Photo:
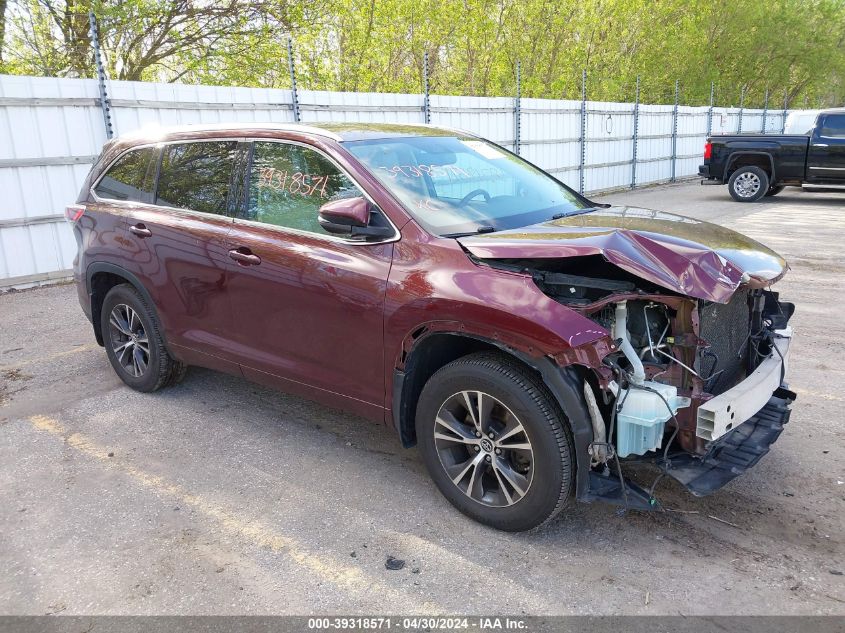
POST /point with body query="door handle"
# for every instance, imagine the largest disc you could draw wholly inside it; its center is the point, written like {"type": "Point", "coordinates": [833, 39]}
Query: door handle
{"type": "Point", "coordinates": [820, 145]}
{"type": "Point", "coordinates": [140, 230]}
{"type": "Point", "coordinates": [244, 257]}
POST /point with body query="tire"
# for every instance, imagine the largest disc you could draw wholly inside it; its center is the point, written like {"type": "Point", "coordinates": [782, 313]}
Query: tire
{"type": "Point", "coordinates": [127, 322]}
{"type": "Point", "coordinates": [773, 191]}
{"type": "Point", "coordinates": [511, 398]}
{"type": "Point", "coordinates": [748, 184]}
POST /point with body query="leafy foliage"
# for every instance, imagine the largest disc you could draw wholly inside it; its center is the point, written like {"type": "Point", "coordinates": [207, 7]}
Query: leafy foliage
{"type": "Point", "coordinates": [794, 48]}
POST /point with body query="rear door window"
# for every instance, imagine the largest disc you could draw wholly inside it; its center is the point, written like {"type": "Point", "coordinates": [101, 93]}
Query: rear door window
{"type": "Point", "coordinates": [130, 177]}
{"type": "Point", "coordinates": [289, 183]}
{"type": "Point", "coordinates": [197, 176]}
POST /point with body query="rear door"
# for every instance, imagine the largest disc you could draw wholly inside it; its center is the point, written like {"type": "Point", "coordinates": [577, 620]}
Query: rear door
{"type": "Point", "coordinates": [308, 306]}
{"type": "Point", "coordinates": [129, 182]}
{"type": "Point", "coordinates": [826, 155]}
{"type": "Point", "coordinates": [179, 240]}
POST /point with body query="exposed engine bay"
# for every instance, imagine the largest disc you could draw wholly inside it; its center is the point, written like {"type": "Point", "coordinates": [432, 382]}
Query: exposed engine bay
{"type": "Point", "coordinates": [674, 355]}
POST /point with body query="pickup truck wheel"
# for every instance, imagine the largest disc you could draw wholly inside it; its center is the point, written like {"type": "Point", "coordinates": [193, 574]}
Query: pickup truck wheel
{"type": "Point", "coordinates": [748, 184]}
{"type": "Point", "coordinates": [773, 191]}
{"type": "Point", "coordinates": [494, 442]}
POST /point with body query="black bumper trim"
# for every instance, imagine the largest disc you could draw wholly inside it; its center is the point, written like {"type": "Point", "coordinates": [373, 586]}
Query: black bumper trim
{"type": "Point", "coordinates": [734, 453]}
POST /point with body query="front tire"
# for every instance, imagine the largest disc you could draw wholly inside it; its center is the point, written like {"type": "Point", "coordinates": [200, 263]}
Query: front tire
{"type": "Point", "coordinates": [495, 443]}
{"type": "Point", "coordinates": [133, 342]}
{"type": "Point", "coordinates": [748, 184]}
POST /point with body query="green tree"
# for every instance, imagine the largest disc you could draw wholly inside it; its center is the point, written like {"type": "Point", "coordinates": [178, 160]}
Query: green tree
{"type": "Point", "coordinates": [791, 47]}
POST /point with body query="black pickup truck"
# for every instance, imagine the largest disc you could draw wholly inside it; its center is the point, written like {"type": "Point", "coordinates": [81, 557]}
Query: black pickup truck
{"type": "Point", "coordinates": [757, 165]}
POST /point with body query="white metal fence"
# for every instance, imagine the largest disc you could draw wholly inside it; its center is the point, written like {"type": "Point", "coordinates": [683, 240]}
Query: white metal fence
{"type": "Point", "coordinates": [52, 129]}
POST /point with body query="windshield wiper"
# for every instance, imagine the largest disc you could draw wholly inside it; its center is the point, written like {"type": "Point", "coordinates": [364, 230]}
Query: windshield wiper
{"type": "Point", "coordinates": [480, 229]}
{"type": "Point", "coordinates": [558, 216]}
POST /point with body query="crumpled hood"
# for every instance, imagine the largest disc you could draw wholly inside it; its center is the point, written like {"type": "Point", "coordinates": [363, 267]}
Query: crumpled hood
{"type": "Point", "coordinates": [688, 256]}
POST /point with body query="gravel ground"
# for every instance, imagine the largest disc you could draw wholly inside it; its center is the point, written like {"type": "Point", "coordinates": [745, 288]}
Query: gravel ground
{"type": "Point", "coordinates": [221, 497]}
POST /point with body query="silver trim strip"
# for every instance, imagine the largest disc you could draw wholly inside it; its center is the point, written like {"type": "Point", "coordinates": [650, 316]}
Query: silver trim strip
{"type": "Point", "coordinates": [39, 219]}
{"type": "Point", "coordinates": [829, 168]}
{"type": "Point", "coordinates": [47, 161]}
{"type": "Point", "coordinates": [23, 280]}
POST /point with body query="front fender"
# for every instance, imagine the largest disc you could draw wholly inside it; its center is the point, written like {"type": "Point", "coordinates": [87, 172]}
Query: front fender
{"type": "Point", "coordinates": [500, 306]}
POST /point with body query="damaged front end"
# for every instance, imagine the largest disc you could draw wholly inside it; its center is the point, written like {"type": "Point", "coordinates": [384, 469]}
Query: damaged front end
{"type": "Point", "coordinates": [687, 363]}
{"type": "Point", "coordinates": [694, 386]}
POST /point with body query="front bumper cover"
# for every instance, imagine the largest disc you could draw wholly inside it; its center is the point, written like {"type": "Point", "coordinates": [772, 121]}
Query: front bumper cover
{"type": "Point", "coordinates": [727, 458]}
{"type": "Point", "coordinates": [736, 452]}
{"type": "Point", "coordinates": [741, 424]}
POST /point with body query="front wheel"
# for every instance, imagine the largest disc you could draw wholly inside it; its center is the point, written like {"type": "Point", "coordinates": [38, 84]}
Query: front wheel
{"type": "Point", "coordinates": [495, 443]}
{"type": "Point", "coordinates": [748, 184]}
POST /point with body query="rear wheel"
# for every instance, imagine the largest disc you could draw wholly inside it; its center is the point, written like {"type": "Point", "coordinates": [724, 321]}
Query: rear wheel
{"type": "Point", "coordinates": [494, 442]}
{"type": "Point", "coordinates": [773, 191]}
{"type": "Point", "coordinates": [748, 184]}
{"type": "Point", "coordinates": [133, 343]}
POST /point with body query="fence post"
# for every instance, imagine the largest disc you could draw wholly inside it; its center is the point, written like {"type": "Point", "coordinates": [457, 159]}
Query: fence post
{"type": "Point", "coordinates": [636, 134]}
{"type": "Point", "coordinates": [426, 101]}
{"type": "Point", "coordinates": [517, 113]}
{"type": "Point", "coordinates": [675, 132]}
{"type": "Point", "coordinates": [783, 117]}
{"type": "Point", "coordinates": [741, 106]}
{"type": "Point", "coordinates": [765, 111]}
{"type": "Point", "coordinates": [583, 131]}
{"type": "Point", "coordinates": [710, 111]}
{"type": "Point", "coordinates": [293, 91]}
{"type": "Point", "coordinates": [105, 103]}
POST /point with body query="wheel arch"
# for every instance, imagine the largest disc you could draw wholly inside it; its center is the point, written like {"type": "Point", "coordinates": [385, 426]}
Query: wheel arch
{"type": "Point", "coordinates": [742, 158]}
{"type": "Point", "coordinates": [432, 350]}
{"type": "Point", "coordinates": [102, 277]}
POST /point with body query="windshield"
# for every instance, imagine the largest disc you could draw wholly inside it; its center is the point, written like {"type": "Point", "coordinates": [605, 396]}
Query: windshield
{"type": "Point", "coordinates": [455, 186]}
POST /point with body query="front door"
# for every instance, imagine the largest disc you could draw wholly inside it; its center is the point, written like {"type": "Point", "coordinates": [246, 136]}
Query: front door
{"type": "Point", "coordinates": [826, 155]}
{"type": "Point", "coordinates": [308, 306]}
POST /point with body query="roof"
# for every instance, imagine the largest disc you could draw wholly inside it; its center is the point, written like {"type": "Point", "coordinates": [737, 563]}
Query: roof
{"type": "Point", "coordinates": [337, 131]}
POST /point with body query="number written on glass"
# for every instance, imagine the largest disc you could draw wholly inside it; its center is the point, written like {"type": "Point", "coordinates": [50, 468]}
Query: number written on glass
{"type": "Point", "coordinates": [296, 183]}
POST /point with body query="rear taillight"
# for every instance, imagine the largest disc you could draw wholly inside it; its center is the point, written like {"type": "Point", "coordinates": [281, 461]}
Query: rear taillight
{"type": "Point", "coordinates": [708, 150]}
{"type": "Point", "coordinates": [73, 212]}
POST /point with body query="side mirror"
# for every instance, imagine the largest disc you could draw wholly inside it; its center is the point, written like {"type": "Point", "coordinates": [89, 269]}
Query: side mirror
{"type": "Point", "coordinates": [350, 217]}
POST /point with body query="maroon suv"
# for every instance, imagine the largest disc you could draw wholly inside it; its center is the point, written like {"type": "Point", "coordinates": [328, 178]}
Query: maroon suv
{"type": "Point", "coordinates": [533, 343]}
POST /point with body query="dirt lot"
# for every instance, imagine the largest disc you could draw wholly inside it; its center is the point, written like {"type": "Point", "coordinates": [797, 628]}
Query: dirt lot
{"type": "Point", "coordinates": [220, 497]}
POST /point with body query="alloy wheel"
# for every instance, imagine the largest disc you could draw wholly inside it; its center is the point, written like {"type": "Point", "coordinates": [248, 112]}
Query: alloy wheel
{"type": "Point", "coordinates": [484, 448]}
{"type": "Point", "coordinates": [747, 184]}
{"type": "Point", "coordinates": [129, 340]}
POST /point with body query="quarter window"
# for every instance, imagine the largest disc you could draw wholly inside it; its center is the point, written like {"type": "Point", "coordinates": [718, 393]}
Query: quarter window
{"type": "Point", "coordinates": [130, 178]}
{"type": "Point", "coordinates": [289, 183]}
{"type": "Point", "coordinates": [197, 176]}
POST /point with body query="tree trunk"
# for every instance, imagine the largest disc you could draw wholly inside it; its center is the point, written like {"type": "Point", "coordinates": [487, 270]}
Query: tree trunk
{"type": "Point", "coordinates": [2, 27]}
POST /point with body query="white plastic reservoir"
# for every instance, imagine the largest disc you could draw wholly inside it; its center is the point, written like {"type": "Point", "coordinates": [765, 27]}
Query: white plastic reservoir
{"type": "Point", "coordinates": [643, 416]}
